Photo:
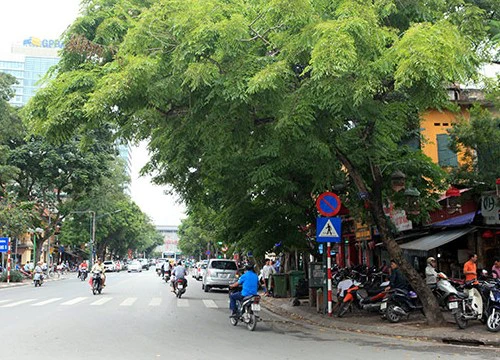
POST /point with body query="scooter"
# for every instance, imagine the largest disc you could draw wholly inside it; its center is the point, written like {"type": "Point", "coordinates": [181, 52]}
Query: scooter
{"type": "Point", "coordinates": [247, 312]}
{"type": "Point", "coordinates": [83, 274]}
{"type": "Point", "coordinates": [179, 288]}
{"type": "Point", "coordinates": [37, 279]}
{"type": "Point", "coordinates": [471, 305]}
{"type": "Point", "coordinates": [444, 291]}
{"type": "Point", "coordinates": [493, 321]}
{"type": "Point", "coordinates": [96, 283]}
{"type": "Point", "coordinates": [399, 303]}
{"type": "Point", "coordinates": [363, 298]}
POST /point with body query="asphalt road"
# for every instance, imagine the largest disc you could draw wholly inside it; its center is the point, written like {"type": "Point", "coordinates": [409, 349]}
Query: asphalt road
{"type": "Point", "coordinates": [137, 317]}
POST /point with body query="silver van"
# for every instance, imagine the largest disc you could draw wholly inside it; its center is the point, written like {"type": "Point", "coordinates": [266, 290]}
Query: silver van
{"type": "Point", "coordinates": [219, 274]}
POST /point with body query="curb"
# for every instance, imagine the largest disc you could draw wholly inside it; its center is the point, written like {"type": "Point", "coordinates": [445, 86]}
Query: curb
{"type": "Point", "coordinates": [303, 316]}
{"type": "Point", "coordinates": [26, 282]}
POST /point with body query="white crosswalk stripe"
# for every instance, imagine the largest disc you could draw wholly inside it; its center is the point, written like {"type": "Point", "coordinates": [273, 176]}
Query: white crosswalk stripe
{"type": "Point", "coordinates": [182, 303]}
{"type": "Point", "coordinates": [4, 301]}
{"type": "Point", "coordinates": [74, 301]}
{"type": "Point", "coordinates": [155, 301]}
{"type": "Point", "coordinates": [101, 301]}
{"type": "Point", "coordinates": [18, 303]}
{"type": "Point", "coordinates": [128, 302]}
{"type": "Point", "coordinates": [210, 304]}
{"type": "Point", "coordinates": [46, 302]}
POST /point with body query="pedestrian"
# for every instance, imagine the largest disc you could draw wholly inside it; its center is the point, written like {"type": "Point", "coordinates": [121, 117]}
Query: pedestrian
{"type": "Point", "coordinates": [267, 272]}
{"type": "Point", "coordinates": [470, 268]}
{"type": "Point", "coordinates": [385, 268]}
{"type": "Point", "coordinates": [495, 270]}
{"type": "Point", "coordinates": [27, 266]}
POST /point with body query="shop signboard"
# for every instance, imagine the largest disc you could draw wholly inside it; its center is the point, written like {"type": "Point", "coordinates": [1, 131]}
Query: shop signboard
{"type": "Point", "coordinates": [490, 208]}
{"type": "Point", "coordinates": [398, 217]}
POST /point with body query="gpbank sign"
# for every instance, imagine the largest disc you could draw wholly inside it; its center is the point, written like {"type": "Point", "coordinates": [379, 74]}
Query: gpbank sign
{"type": "Point", "coordinates": [43, 43]}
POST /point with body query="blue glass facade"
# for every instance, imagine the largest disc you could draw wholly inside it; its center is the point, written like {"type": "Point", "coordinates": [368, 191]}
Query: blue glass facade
{"type": "Point", "coordinates": [28, 73]}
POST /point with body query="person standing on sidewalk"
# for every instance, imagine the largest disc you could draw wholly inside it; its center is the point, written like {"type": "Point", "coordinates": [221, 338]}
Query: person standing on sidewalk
{"type": "Point", "coordinates": [470, 268]}
{"type": "Point", "coordinates": [267, 272]}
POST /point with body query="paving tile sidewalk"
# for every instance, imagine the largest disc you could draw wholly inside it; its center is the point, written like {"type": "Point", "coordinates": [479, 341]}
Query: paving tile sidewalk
{"type": "Point", "coordinates": [371, 323]}
{"type": "Point", "coordinates": [4, 285]}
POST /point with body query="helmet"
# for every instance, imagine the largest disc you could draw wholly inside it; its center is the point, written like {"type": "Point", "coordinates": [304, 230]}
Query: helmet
{"type": "Point", "coordinates": [249, 267]}
{"type": "Point", "coordinates": [430, 259]}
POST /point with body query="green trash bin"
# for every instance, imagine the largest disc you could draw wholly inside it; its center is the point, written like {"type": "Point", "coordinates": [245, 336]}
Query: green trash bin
{"type": "Point", "coordinates": [280, 285]}
{"type": "Point", "coordinates": [295, 277]}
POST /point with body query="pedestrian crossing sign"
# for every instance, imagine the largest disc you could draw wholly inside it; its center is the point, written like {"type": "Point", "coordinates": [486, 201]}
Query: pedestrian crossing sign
{"type": "Point", "coordinates": [328, 229]}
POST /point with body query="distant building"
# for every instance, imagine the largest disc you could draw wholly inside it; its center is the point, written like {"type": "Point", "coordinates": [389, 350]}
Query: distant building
{"type": "Point", "coordinates": [170, 239]}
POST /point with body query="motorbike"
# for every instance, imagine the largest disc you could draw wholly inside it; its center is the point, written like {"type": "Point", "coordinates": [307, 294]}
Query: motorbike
{"type": "Point", "coordinates": [493, 321]}
{"type": "Point", "coordinates": [364, 298]}
{"type": "Point", "coordinates": [247, 311]}
{"type": "Point", "coordinates": [158, 272]}
{"type": "Point", "coordinates": [166, 277]}
{"type": "Point", "coordinates": [444, 291]}
{"type": "Point", "coordinates": [399, 303]}
{"type": "Point", "coordinates": [83, 274]}
{"type": "Point", "coordinates": [96, 283]}
{"type": "Point", "coordinates": [473, 304]}
{"type": "Point", "coordinates": [37, 279]}
{"type": "Point", "coordinates": [179, 288]}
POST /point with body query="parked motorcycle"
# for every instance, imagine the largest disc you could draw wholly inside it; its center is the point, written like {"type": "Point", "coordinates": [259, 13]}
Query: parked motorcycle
{"type": "Point", "coordinates": [444, 291]}
{"type": "Point", "coordinates": [37, 279]}
{"type": "Point", "coordinates": [473, 304]}
{"type": "Point", "coordinates": [493, 321]}
{"type": "Point", "coordinates": [96, 283]}
{"type": "Point", "coordinates": [399, 303]}
{"type": "Point", "coordinates": [362, 297]}
{"type": "Point", "coordinates": [247, 312]}
{"type": "Point", "coordinates": [179, 288]}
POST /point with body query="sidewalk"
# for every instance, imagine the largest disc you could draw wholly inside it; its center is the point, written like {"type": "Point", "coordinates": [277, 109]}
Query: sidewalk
{"type": "Point", "coordinates": [371, 323]}
{"type": "Point", "coordinates": [4, 285]}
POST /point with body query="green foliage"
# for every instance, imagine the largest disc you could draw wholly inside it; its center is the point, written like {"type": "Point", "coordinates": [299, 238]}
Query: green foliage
{"type": "Point", "coordinates": [15, 276]}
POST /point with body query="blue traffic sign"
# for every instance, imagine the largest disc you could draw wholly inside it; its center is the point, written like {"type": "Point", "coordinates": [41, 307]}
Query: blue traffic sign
{"type": "Point", "coordinates": [4, 245]}
{"type": "Point", "coordinates": [328, 229]}
{"type": "Point", "coordinates": [328, 204]}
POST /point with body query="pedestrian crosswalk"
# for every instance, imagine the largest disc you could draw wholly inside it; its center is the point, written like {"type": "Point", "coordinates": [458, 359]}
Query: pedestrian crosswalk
{"type": "Point", "coordinates": [114, 301]}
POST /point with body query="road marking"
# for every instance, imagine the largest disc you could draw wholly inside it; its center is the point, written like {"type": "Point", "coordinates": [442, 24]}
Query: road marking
{"type": "Point", "coordinates": [182, 303]}
{"type": "Point", "coordinates": [102, 301]}
{"type": "Point", "coordinates": [128, 302]}
{"type": "Point", "coordinates": [210, 304]}
{"type": "Point", "coordinates": [19, 303]}
{"type": "Point", "coordinates": [74, 301]}
{"type": "Point", "coordinates": [4, 301]}
{"type": "Point", "coordinates": [155, 301]}
{"type": "Point", "coordinates": [46, 302]}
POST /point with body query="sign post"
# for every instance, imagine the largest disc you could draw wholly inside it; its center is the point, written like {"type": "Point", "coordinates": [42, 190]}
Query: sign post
{"type": "Point", "coordinates": [8, 261]}
{"type": "Point", "coordinates": [328, 229]}
{"type": "Point", "coordinates": [5, 248]}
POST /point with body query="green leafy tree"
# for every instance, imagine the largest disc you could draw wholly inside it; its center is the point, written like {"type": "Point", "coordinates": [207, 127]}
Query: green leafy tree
{"type": "Point", "coordinates": [254, 107]}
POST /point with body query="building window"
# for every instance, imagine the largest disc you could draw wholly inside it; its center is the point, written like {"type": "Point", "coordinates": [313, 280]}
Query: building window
{"type": "Point", "coordinates": [446, 156]}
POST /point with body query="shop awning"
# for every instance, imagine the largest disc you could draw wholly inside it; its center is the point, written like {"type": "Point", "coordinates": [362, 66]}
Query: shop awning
{"type": "Point", "coordinates": [461, 220]}
{"type": "Point", "coordinates": [429, 242]}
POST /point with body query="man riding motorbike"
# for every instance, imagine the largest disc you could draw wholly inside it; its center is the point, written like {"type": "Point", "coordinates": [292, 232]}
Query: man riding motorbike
{"type": "Point", "coordinates": [38, 270]}
{"type": "Point", "coordinates": [250, 284]}
{"type": "Point", "coordinates": [99, 267]}
{"type": "Point", "coordinates": [179, 272]}
{"type": "Point", "coordinates": [81, 267]}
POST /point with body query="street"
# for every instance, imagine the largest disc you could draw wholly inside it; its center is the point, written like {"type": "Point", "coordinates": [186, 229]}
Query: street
{"type": "Point", "coordinates": [137, 317]}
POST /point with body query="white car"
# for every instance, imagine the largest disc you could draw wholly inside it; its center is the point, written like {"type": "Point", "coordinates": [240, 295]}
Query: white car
{"type": "Point", "coordinates": [134, 266]}
{"type": "Point", "coordinates": [109, 266]}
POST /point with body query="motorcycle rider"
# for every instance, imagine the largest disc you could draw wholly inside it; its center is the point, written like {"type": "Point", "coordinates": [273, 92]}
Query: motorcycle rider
{"type": "Point", "coordinates": [179, 273]}
{"type": "Point", "coordinates": [250, 284]}
{"type": "Point", "coordinates": [397, 279]}
{"type": "Point", "coordinates": [81, 267]}
{"type": "Point", "coordinates": [38, 270]}
{"type": "Point", "coordinates": [99, 267]}
{"type": "Point", "coordinates": [431, 274]}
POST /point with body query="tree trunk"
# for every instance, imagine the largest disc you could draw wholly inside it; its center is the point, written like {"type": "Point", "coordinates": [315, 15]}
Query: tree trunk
{"type": "Point", "coordinates": [375, 204]}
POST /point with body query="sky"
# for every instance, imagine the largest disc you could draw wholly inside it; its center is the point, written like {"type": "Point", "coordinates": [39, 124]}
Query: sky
{"type": "Point", "coordinates": [48, 19]}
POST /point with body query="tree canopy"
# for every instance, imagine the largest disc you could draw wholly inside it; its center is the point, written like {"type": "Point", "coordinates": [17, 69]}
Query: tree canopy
{"type": "Point", "coordinates": [254, 107]}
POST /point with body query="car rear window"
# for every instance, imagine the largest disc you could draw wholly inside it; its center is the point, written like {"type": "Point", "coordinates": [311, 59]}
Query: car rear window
{"type": "Point", "coordinates": [223, 265]}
